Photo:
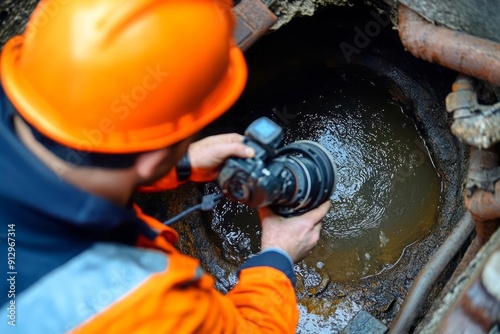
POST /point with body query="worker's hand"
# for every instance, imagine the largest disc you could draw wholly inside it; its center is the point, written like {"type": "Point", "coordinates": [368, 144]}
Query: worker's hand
{"type": "Point", "coordinates": [208, 155]}
{"type": "Point", "coordinates": [295, 235]}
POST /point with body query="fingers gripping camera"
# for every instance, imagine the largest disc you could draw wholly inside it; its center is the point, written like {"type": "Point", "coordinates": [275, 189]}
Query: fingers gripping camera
{"type": "Point", "coordinates": [290, 180]}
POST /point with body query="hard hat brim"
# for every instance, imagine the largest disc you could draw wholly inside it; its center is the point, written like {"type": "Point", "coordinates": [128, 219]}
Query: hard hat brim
{"type": "Point", "coordinates": [35, 108]}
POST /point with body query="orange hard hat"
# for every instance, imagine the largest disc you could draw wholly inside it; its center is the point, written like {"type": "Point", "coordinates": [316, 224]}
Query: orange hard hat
{"type": "Point", "coordinates": [117, 76]}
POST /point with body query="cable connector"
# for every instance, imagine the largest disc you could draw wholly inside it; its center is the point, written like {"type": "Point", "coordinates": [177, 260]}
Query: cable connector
{"type": "Point", "coordinates": [208, 202]}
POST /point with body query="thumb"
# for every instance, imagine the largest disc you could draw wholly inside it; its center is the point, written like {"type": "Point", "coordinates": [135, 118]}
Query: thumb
{"type": "Point", "coordinates": [318, 213]}
{"type": "Point", "coordinates": [315, 215]}
{"type": "Point", "coordinates": [239, 150]}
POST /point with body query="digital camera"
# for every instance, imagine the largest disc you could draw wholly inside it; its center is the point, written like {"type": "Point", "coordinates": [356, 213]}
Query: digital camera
{"type": "Point", "coordinates": [289, 179]}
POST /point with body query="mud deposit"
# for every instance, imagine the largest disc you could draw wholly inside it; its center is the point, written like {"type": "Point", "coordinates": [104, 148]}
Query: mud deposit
{"type": "Point", "coordinates": [382, 116]}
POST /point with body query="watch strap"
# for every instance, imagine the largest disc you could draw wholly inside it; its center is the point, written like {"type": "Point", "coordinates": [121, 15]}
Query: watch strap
{"type": "Point", "coordinates": [183, 168]}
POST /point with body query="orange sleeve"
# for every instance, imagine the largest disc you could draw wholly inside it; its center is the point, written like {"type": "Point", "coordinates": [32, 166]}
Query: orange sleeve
{"type": "Point", "coordinates": [167, 182]}
{"type": "Point", "coordinates": [266, 300]}
{"type": "Point", "coordinates": [183, 300]}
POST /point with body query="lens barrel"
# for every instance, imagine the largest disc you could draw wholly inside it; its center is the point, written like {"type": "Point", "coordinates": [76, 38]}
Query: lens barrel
{"type": "Point", "coordinates": [314, 177]}
{"type": "Point", "coordinates": [299, 178]}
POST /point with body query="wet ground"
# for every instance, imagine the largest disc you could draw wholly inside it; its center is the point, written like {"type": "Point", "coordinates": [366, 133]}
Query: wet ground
{"type": "Point", "coordinates": [371, 112]}
{"type": "Point", "coordinates": [387, 190]}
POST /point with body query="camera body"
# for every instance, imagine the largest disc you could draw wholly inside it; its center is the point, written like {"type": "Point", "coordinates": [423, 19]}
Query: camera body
{"type": "Point", "coordinates": [290, 180]}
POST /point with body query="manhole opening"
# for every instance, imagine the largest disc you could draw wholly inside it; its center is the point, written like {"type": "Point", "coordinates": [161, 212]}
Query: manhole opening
{"type": "Point", "coordinates": [391, 94]}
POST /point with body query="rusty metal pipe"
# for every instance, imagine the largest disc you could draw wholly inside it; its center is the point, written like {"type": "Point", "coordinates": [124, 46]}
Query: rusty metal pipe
{"type": "Point", "coordinates": [423, 284]}
{"type": "Point", "coordinates": [476, 308]}
{"type": "Point", "coordinates": [483, 204]}
{"type": "Point", "coordinates": [456, 50]}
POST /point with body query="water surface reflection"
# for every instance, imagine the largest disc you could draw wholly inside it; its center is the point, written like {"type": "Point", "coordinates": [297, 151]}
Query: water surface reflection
{"type": "Point", "coordinates": [387, 189]}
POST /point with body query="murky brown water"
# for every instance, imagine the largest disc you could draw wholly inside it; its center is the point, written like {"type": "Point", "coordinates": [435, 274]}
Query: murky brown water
{"type": "Point", "coordinates": [387, 189]}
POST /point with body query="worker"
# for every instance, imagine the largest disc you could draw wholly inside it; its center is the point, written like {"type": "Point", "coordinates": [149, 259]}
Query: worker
{"type": "Point", "coordinates": [98, 99]}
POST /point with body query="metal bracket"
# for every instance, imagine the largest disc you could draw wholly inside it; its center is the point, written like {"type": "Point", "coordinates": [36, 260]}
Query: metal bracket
{"type": "Point", "coordinates": [475, 124]}
{"type": "Point", "coordinates": [253, 20]}
{"type": "Point", "coordinates": [483, 179]}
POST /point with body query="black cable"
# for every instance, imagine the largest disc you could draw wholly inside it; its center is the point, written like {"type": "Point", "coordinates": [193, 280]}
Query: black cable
{"type": "Point", "coordinates": [208, 202]}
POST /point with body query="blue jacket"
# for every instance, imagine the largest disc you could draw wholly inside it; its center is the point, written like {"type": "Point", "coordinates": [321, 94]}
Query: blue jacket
{"type": "Point", "coordinates": [48, 225]}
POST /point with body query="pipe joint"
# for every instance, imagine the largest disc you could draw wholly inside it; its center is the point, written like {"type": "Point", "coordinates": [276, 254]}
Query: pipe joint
{"type": "Point", "coordinates": [474, 124]}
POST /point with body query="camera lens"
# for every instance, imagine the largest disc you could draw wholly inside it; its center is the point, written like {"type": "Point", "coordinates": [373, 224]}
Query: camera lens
{"type": "Point", "coordinates": [314, 177]}
{"type": "Point", "coordinates": [239, 190]}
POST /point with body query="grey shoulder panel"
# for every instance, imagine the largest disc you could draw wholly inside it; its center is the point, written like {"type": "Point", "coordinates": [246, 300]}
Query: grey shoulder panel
{"type": "Point", "coordinates": [82, 288]}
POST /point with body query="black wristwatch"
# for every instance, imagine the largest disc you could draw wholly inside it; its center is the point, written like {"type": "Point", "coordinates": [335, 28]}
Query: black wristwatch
{"type": "Point", "coordinates": [183, 168]}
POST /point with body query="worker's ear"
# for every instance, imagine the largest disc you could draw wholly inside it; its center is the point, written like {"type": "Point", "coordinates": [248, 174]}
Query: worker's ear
{"type": "Point", "coordinates": [152, 165]}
